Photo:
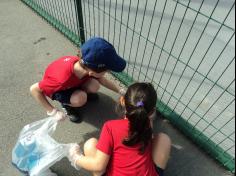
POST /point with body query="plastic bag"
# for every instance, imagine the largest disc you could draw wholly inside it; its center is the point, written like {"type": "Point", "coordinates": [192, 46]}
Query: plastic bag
{"type": "Point", "coordinates": [36, 151]}
{"type": "Point", "coordinates": [47, 173]}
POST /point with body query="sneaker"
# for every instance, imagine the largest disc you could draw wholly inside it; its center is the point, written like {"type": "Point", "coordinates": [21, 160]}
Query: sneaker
{"type": "Point", "coordinates": [72, 113]}
{"type": "Point", "coordinates": [92, 96]}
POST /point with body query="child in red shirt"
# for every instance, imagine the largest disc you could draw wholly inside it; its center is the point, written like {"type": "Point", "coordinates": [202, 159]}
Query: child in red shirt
{"type": "Point", "coordinates": [71, 79]}
{"type": "Point", "coordinates": [127, 147]}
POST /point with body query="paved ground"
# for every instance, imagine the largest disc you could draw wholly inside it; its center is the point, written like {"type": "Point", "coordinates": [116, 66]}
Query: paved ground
{"type": "Point", "coordinates": [28, 44]}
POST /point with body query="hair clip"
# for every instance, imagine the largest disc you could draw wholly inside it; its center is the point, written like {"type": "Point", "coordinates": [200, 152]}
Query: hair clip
{"type": "Point", "coordinates": [140, 104]}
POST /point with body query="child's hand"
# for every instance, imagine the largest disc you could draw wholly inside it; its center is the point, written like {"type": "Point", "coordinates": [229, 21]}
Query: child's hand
{"type": "Point", "coordinates": [59, 115]}
{"type": "Point", "coordinates": [74, 155]}
{"type": "Point", "coordinates": [75, 149]}
{"type": "Point", "coordinates": [122, 92]}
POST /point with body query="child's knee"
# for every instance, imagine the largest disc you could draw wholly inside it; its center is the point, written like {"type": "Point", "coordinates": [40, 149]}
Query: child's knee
{"type": "Point", "coordinates": [164, 139]}
{"type": "Point", "coordinates": [161, 150]}
{"type": "Point", "coordinates": [93, 86]}
{"type": "Point", "coordinates": [78, 99]}
{"type": "Point", "coordinates": [162, 144]}
{"type": "Point", "coordinates": [90, 146]}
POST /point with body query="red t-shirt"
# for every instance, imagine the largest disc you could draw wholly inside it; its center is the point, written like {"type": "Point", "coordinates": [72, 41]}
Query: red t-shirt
{"type": "Point", "coordinates": [124, 161]}
{"type": "Point", "coordinates": [59, 76]}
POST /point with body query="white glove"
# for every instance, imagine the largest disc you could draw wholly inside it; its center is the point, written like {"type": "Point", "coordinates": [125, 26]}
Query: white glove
{"type": "Point", "coordinates": [59, 115]}
{"type": "Point", "coordinates": [122, 91]}
{"type": "Point", "coordinates": [74, 155]}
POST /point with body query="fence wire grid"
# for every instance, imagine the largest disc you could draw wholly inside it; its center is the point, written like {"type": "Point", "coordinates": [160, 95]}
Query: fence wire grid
{"type": "Point", "coordinates": [186, 48]}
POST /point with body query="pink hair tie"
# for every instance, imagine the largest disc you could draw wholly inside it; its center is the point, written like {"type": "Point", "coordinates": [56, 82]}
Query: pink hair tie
{"type": "Point", "coordinates": [140, 104]}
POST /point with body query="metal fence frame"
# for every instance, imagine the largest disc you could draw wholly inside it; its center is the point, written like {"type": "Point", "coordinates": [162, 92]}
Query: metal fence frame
{"type": "Point", "coordinates": [79, 33]}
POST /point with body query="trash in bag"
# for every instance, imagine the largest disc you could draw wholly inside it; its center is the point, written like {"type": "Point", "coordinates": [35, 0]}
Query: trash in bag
{"type": "Point", "coordinates": [36, 151]}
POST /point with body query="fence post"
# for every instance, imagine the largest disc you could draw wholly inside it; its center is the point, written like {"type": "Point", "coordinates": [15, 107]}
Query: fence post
{"type": "Point", "coordinates": [80, 19]}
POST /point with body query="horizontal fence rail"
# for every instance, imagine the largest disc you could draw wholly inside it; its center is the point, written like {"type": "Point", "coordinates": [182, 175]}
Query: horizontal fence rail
{"type": "Point", "coordinates": [185, 48]}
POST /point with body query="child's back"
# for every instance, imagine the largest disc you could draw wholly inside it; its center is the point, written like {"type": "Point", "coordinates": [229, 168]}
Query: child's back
{"type": "Point", "coordinates": [124, 160]}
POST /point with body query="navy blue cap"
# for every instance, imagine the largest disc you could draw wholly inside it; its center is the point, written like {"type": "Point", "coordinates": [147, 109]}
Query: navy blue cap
{"type": "Point", "coordinates": [97, 53]}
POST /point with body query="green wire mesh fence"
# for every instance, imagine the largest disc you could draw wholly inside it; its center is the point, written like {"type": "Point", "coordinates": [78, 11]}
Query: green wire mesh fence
{"type": "Point", "coordinates": [185, 48]}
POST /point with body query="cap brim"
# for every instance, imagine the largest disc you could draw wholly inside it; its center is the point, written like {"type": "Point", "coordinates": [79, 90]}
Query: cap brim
{"type": "Point", "coordinates": [118, 65]}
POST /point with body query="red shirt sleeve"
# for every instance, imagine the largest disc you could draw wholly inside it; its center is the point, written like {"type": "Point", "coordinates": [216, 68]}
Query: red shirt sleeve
{"type": "Point", "coordinates": [49, 87]}
{"type": "Point", "coordinates": [59, 76]}
{"type": "Point", "coordinates": [106, 143]}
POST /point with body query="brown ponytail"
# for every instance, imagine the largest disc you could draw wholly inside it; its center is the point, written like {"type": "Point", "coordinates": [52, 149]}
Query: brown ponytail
{"type": "Point", "coordinates": [140, 100]}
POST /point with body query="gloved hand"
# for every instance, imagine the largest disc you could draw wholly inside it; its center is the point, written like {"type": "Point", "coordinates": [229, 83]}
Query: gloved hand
{"type": "Point", "coordinates": [59, 115]}
{"type": "Point", "coordinates": [122, 91]}
{"type": "Point", "coordinates": [74, 155]}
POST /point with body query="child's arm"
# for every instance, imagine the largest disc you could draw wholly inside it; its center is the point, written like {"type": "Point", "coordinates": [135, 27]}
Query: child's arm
{"type": "Point", "coordinates": [37, 93]}
{"type": "Point", "coordinates": [110, 85]}
{"type": "Point", "coordinates": [96, 163]}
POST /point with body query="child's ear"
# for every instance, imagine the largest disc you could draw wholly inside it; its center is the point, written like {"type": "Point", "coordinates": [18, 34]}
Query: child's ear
{"type": "Point", "coordinates": [122, 101]}
{"type": "Point", "coordinates": [79, 54]}
{"type": "Point", "coordinates": [90, 73]}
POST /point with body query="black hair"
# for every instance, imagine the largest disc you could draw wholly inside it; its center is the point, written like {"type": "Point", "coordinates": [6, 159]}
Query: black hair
{"type": "Point", "coordinates": [140, 101]}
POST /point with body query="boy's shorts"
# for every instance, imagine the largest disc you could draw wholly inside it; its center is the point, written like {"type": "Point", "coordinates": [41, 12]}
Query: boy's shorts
{"type": "Point", "coordinates": [159, 170]}
{"type": "Point", "coordinates": [64, 96]}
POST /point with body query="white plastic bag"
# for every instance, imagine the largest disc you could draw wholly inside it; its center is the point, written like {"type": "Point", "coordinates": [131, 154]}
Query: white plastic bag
{"type": "Point", "coordinates": [36, 151]}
